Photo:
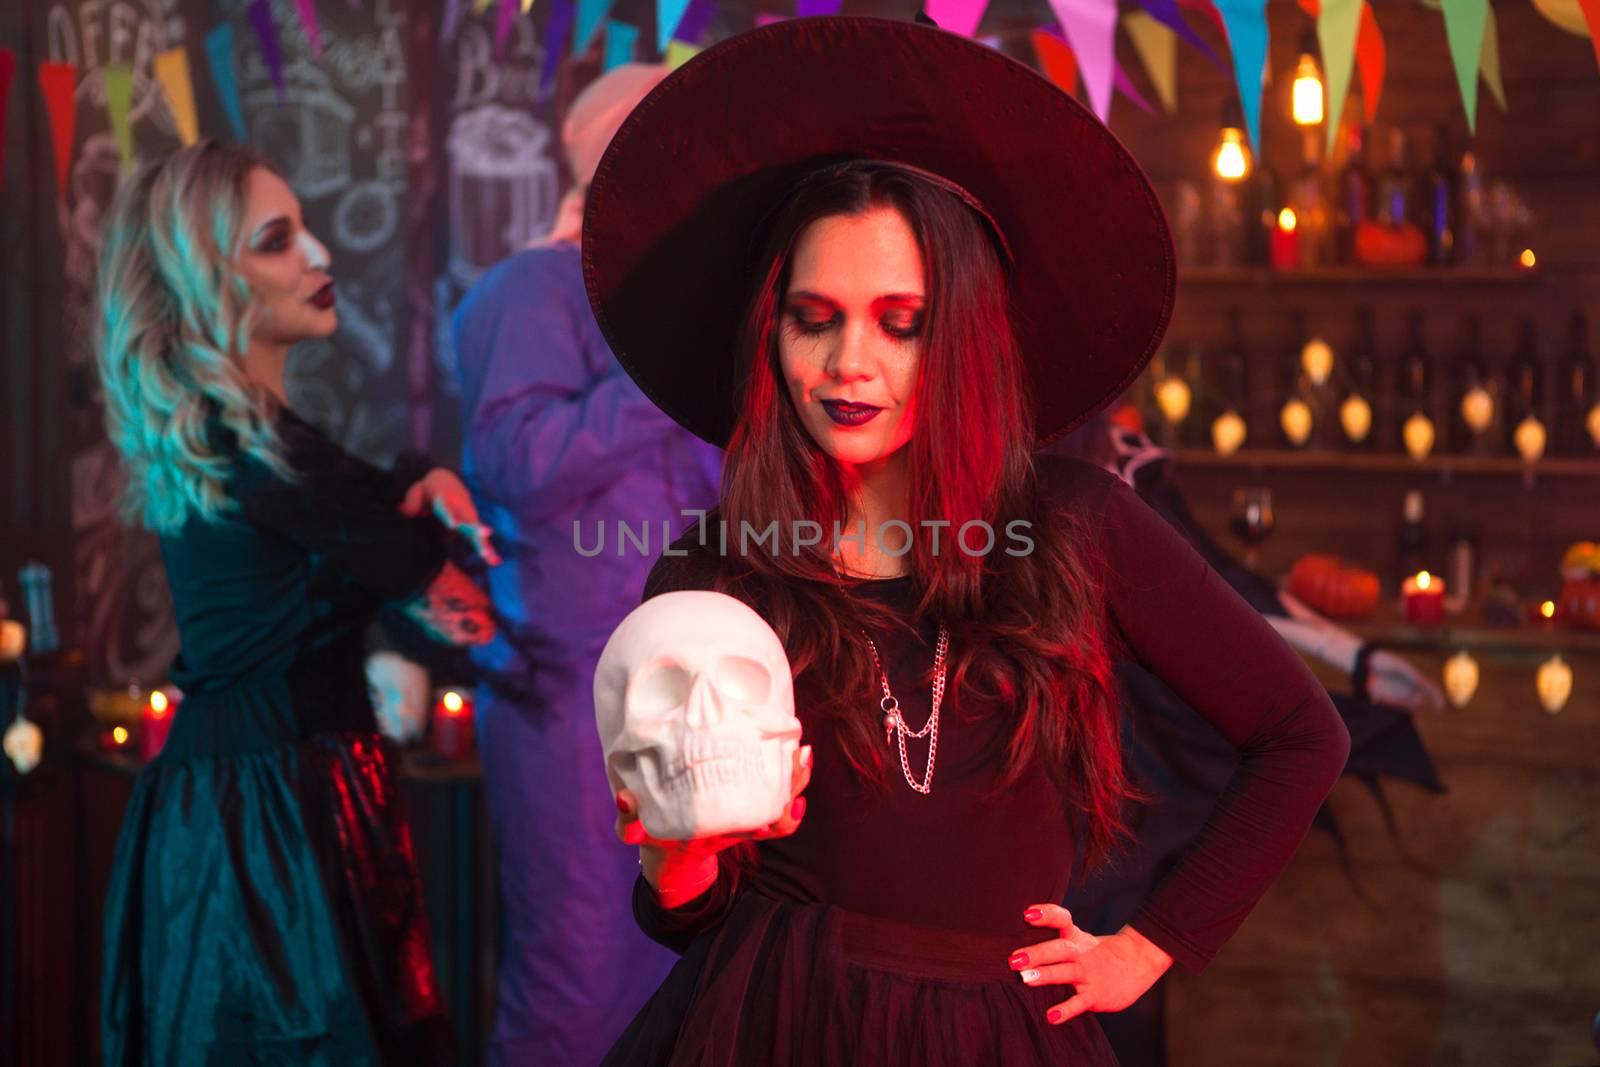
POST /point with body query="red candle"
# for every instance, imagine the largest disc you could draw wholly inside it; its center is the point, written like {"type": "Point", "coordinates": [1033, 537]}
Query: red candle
{"type": "Point", "coordinates": [1423, 595]}
{"type": "Point", "coordinates": [155, 720]}
{"type": "Point", "coordinates": [451, 736]}
{"type": "Point", "coordinates": [1285, 245]}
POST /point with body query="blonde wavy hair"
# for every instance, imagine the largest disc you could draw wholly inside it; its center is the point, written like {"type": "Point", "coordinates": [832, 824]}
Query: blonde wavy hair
{"type": "Point", "coordinates": [173, 322]}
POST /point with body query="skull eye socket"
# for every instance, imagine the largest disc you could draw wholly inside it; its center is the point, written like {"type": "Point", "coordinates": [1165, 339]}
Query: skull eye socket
{"type": "Point", "coordinates": [663, 688]}
{"type": "Point", "coordinates": [743, 679]}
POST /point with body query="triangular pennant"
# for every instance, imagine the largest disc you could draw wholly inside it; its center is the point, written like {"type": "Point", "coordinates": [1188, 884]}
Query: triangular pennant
{"type": "Point", "coordinates": [692, 27]}
{"type": "Point", "coordinates": [219, 56]}
{"type": "Point", "coordinates": [119, 100]}
{"type": "Point", "coordinates": [452, 19]}
{"type": "Point", "coordinates": [1157, 46]}
{"type": "Point", "coordinates": [1091, 26]}
{"type": "Point", "coordinates": [1246, 21]}
{"type": "Point", "coordinates": [1337, 26]}
{"type": "Point", "coordinates": [480, 6]}
{"type": "Point", "coordinates": [668, 14]}
{"type": "Point", "coordinates": [1126, 87]}
{"type": "Point", "coordinates": [504, 16]}
{"type": "Point", "coordinates": [679, 53]}
{"type": "Point", "coordinates": [1210, 10]}
{"type": "Point", "coordinates": [591, 16]}
{"type": "Point", "coordinates": [557, 28]}
{"type": "Point", "coordinates": [267, 36]}
{"type": "Point", "coordinates": [1166, 12]}
{"type": "Point", "coordinates": [957, 16]}
{"type": "Point", "coordinates": [1056, 60]}
{"type": "Point", "coordinates": [1489, 61]}
{"type": "Point", "coordinates": [308, 22]}
{"type": "Point", "coordinates": [171, 69]}
{"type": "Point", "coordinates": [621, 41]}
{"type": "Point", "coordinates": [8, 68]}
{"type": "Point", "coordinates": [58, 84]}
{"type": "Point", "coordinates": [1463, 27]}
{"type": "Point", "coordinates": [1371, 59]}
{"type": "Point", "coordinates": [1591, 15]}
{"type": "Point", "coordinates": [527, 6]}
{"type": "Point", "coordinates": [811, 8]}
{"type": "Point", "coordinates": [767, 18]}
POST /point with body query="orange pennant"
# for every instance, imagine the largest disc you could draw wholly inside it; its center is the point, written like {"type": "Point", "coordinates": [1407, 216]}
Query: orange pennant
{"type": "Point", "coordinates": [1056, 60]}
{"type": "Point", "coordinates": [1591, 15]}
{"type": "Point", "coordinates": [59, 84]}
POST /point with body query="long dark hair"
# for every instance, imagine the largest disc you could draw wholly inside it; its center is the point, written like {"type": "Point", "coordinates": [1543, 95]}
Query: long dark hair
{"type": "Point", "coordinates": [1025, 629]}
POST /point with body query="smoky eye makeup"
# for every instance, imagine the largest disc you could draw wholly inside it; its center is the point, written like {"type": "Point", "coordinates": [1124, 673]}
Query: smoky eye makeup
{"type": "Point", "coordinates": [273, 237]}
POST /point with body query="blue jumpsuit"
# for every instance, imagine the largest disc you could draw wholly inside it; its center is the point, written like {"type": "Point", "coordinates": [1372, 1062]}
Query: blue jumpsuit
{"type": "Point", "coordinates": [556, 434]}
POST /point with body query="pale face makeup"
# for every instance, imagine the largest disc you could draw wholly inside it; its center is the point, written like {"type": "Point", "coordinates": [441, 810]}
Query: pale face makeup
{"type": "Point", "coordinates": [285, 266]}
{"type": "Point", "coordinates": [849, 336]}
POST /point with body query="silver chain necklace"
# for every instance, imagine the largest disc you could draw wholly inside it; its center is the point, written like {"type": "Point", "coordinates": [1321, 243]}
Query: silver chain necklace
{"type": "Point", "coordinates": [895, 722]}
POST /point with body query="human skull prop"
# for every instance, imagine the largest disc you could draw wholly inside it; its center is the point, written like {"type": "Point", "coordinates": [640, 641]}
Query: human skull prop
{"type": "Point", "coordinates": [23, 744]}
{"type": "Point", "coordinates": [694, 702]}
{"type": "Point", "coordinates": [399, 690]}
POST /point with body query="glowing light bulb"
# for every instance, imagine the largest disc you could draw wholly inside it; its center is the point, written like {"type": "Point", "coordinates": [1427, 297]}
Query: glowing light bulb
{"type": "Point", "coordinates": [1528, 259]}
{"type": "Point", "coordinates": [1286, 220]}
{"type": "Point", "coordinates": [1554, 683]}
{"type": "Point", "coordinates": [1355, 415]}
{"type": "Point", "coordinates": [1307, 94]}
{"type": "Point", "coordinates": [1460, 679]}
{"type": "Point", "coordinates": [1232, 160]}
{"type": "Point", "coordinates": [1295, 418]}
{"type": "Point", "coordinates": [1592, 424]}
{"type": "Point", "coordinates": [1228, 432]}
{"type": "Point", "coordinates": [1477, 408]}
{"type": "Point", "coordinates": [1418, 434]}
{"type": "Point", "coordinates": [1173, 398]}
{"type": "Point", "coordinates": [1529, 439]}
{"type": "Point", "coordinates": [1317, 360]}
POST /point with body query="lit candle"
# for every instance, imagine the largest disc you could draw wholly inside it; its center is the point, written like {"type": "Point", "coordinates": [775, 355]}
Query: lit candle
{"type": "Point", "coordinates": [13, 640]}
{"type": "Point", "coordinates": [155, 721]}
{"type": "Point", "coordinates": [451, 736]}
{"type": "Point", "coordinates": [1285, 241]}
{"type": "Point", "coordinates": [1423, 595]}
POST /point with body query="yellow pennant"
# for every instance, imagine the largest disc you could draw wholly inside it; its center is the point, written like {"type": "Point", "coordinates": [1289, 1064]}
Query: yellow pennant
{"type": "Point", "coordinates": [172, 71]}
{"type": "Point", "coordinates": [1157, 46]}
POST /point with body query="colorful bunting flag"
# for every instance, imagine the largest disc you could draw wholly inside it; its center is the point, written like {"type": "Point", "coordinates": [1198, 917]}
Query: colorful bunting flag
{"type": "Point", "coordinates": [1591, 15]}
{"type": "Point", "coordinates": [308, 22]}
{"type": "Point", "coordinates": [171, 69]}
{"type": "Point", "coordinates": [1489, 61]}
{"type": "Point", "coordinates": [480, 6]}
{"type": "Point", "coordinates": [1338, 23]}
{"type": "Point", "coordinates": [810, 8]}
{"type": "Point", "coordinates": [591, 16]}
{"type": "Point", "coordinates": [219, 56]}
{"type": "Point", "coordinates": [1246, 22]}
{"type": "Point", "coordinates": [1371, 59]}
{"type": "Point", "coordinates": [557, 28]}
{"type": "Point", "coordinates": [58, 83]}
{"type": "Point", "coordinates": [1157, 46]}
{"type": "Point", "coordinates": [767, 18]}
{"type": "Point", "coordinates": [503, 18]}
{"type": "Point", "coordinates": [452, 19]}
{"type": "Point", "coordinates": [692, 27]}
{"type": "Point", "coordinates": [957, 16]}
{"type": "Point", "coordinates": [8, 67]}
{"type": "Point", "coordinates": [1126, 87]}
{"type": "Point", "coordinates": [1463, 26]}
{"type": "Point", "coordinates": [1091, 26]}
{"type": "Point", "coordinates": [1210, 10]}
{"type": "Point", "coordinates": [527, 6]}
{"type": "Point", "coordinates": [261, 21]}
{"type": "Point", "coordinates": [1056, 60]}
{"type": "Point", "coordinates": [119, 101]}
{"type": "Point", "coordinates": [1166, 12]}
{"type": "Point", "coordinates": [679, 53]}
{"type": "Point", "coordinates": [621, 41]}
{"type": "Point", "coordinates": [668, 14]}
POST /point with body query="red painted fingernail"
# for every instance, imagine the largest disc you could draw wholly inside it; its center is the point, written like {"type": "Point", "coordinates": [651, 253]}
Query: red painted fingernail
{"type": "Point", "coordinates": [1018, 961]}
{"type": "Point", "coordinates": [805, 755]}
{"type": "Point", "coordinates": [622, 805]}
{"type": "Point", "coordinates": [1033, 915]}
{"type": "Point", "coordinates": [797, 810]}
{"type": "Point", "coordinates": [1054, 1015]}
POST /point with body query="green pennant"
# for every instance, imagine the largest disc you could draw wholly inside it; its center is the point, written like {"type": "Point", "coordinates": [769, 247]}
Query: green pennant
{"type": "Point", "coordinates": [1337, 24]}
{"type": "Point", "coordinates": [1463, 24]}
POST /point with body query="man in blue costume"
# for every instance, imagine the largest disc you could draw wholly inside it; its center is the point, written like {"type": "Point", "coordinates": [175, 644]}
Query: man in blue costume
{"type": "Point", "coordinates": [560, 445]}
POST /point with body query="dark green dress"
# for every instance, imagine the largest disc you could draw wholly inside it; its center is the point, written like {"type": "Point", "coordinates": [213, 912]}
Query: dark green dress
{"type": "Point", "coordinates": [264, 906]}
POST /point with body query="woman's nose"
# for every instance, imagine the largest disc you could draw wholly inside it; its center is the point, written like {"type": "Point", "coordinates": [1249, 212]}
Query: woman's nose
{"type": "Point", "coordinates": [317, 257]}
{"type": "Point", "coordinates": [850, 359]}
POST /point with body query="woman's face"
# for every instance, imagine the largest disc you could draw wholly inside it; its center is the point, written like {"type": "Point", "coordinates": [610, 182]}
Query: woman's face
{"type": "Point", "coordinates": [850, 333]}
{"type": "Point", "coordinates": [285, 267]}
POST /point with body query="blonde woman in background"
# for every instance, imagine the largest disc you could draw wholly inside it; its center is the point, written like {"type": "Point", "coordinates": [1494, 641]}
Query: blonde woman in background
{"type": "Point", "coordinates": [264, 905]}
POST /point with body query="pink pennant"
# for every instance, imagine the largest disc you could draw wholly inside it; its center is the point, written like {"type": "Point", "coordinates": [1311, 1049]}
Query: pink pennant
{"type": "Point", "coordinates": [1091, 26]}
{"type": "Point", "coordinates": [767, 18]}
{"type": "Point", "coordinates": [957, 16]}
{"type": "Point", "coordinates": [1129, 90]}
{"type": "Point", "coordinates": [308, 22]}
{"type": "Point", "coordinates": [502, 26]}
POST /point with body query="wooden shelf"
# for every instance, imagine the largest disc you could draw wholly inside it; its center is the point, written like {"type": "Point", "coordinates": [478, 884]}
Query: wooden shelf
{"type": "Point", "coordinates": [1266, 276]}
{"type": "Point", "coordinates": [1467, 633]}
{"type": "Point", "coordinates": [1313, 459]}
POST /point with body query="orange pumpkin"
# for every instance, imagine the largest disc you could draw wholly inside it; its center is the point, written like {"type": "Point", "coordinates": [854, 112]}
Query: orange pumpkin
{"type": "Point", "coordinates": [1333, 587]}
{"type": "Point", "coordinates": [1384, 245]}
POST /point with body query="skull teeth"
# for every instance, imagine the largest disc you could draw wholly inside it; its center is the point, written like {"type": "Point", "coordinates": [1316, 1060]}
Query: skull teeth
{"type": "Point", "coordinates": [712, 774]}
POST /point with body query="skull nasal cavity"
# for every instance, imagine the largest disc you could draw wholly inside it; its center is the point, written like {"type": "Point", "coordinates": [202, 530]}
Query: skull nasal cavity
{"type": "Point", "coordinates": [704, 711]}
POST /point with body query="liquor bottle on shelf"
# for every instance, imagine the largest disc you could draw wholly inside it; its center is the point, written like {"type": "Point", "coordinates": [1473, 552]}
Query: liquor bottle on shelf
{"type": "Point", "coordinates": [1310, 203]}
{"type": "Point", "coordinates": [1525, 394]}
{"type": "Point", "coordinates": [1474, 221]}
{"type": "Point", "coordinates": [1577, 431]}
{"type": "Point", "coordinates": [1411, 543]}
{"type": "Point", "coordinates": [1439, 209]}
{"type": "Point", "coordinates": [1352, 194]}
{"type": "Point", "coordinates": [1295, 416]}
{"type": "Point", "coordinates": [1356, 410]}
{"type": "Point", "coordinates": [1395, 202]}
{"type": "Point", "coordinates": [1230, 388]}
{"type": "Point", "coordinates": [1196, 429]}
{"type": "Point", "coordinates": [1472, 394]}
{"type": "Point", "coordinates": [1414, 428]}
{"type": "Point", "coordinates": [1261, 214]}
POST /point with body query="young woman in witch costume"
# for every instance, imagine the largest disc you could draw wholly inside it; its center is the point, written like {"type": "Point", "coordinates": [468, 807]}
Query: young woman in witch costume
{"type": "Point", "coordinates": [906, 262]}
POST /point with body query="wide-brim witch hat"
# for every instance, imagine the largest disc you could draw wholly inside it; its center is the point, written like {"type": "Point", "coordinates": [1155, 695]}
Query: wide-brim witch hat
{"type": "Point", "coordinates": [677, 205]}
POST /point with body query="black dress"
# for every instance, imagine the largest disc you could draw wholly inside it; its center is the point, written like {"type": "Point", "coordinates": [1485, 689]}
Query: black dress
{"type": "Point", "coordinates": [879, 932]}
{"type": "Point", "coordinates": [264, 906]}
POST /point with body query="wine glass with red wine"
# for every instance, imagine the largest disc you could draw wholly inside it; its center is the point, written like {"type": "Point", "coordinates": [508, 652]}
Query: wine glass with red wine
{"type": "Point", "coordinates": [1251, 521]}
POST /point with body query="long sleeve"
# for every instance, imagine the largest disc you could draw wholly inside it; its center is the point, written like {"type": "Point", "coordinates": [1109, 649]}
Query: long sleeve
{"type": "Point", "coordinates": [344, 510]}
{"type": "Point", "coordinates": [1174, 614]}
{"type": "Point", "coordinates": [550, 414]}
{"type": "Point", "coordinates": [675, 928]}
